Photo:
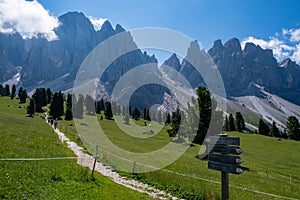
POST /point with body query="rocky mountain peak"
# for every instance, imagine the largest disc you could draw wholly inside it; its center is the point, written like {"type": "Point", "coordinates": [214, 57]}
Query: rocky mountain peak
{"type": "Point", "coordinates": [216, 48]}
{"type": "Point", "coordinates": [172, 62]}
{"type": "Point", "coordinates": [119, 28]}
{"type": "Point", "coordinates": [233, 45]}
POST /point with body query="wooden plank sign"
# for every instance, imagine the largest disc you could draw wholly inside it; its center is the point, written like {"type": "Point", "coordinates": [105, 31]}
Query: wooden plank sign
{"type": "Point", "coordinates": [223, 158]}
{"type": "Point", "coordinates": [225, 149]}
{"type": "Point", "coordinates": [223, 140]}
{"type": "Point", "coordinates": [225, 167]}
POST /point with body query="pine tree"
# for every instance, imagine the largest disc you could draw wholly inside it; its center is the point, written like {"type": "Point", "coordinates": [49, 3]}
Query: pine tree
{"type": "Point", "coordinates": [159, 117]}
{"type": "Point", "coordinates": [98, 108]}
{"type": "Point", "coordinates": [108, 112]}
{"type": "Point", "coordinates": [57, 105]}
{"type": "Point", "coordinates": [274, 131]}
{"type": "Point", "coordinates": [20, 91]}
{"type": "Point", "coordinates": [168, 119]}
{"type": "Point", "coordinates": [175, 123]}
{"type": "Point", "coordinates": [69, 113]}
{"type": "Point", "coordinates": [40, 99]}
{"type": "Point", "coordinates": [226, 124]}
{"type": "Point", "coordinates": [136, 114]}
{"type": "Point", "coordinates": [1, 90]}
{"type": "Point", "coordinates": [23, 96]}
{"type": "Point", "coordinates": [49, 95]}
{"type": "Point", "coordinates": [13, 92]}
{"type": "Point", "coordinates": [78, 107]}
{"type": "Point", "coordinates": [292, 128]}
{"type": "Point", "coordinates": [6, 90]}
{"type": "Point", "coordinates": [240, 123]}
{"type": "Point", "coordinates": [31, 108]}
{"type": "Point", "coordinates": [231, 123]}
{"type": "Point", "coordinates": [204, 105]}
{"type": "Point", "coordinates": [90, 105]}
{"type": "Point", "coordinates": [126, 119]}
{"type": "Point", "coordinates": [263, 129]}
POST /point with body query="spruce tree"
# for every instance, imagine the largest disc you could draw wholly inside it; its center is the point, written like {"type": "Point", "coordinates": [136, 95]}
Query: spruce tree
{"type": "Point", "coordinates": [240, 123]}
{"type": "Point", "coordinates": [108, 112]}
{"type": "Point", "coordinates": [204, 105]}
{"type": "Point", "coordinates": [6, 90]}
{"type": "Point", "coordinates": [40, 99]}
{"type": "Point", "coordinates": [226, 124]}
{"type": "Point", "coordinates": [136, 114]}
{"type": "Point", "coordinates": [31, 108]}
{"type": "Point", "coordinates": [175, 123]}
{"type": "Point", "coordinates": [231, 123]}
{"type": "Point", "coordinates": [20, 91]}
{"type": "Point", "coordinates": [263, 128]}
{"type": "Point", "coordinates": [78, 107]}
{"type": "Point", "coordinates": [13, 92]}
{"type": "Point", "coordinates": [126, 119]}
{"type": "Point", "coordinates": [90, 105]}
{"type": "Point", "coordinates": [1, 90]}
{"type": "Point", "coordinates": [292, 128]}
{"type": "Point", "coordinates": [159, 117]}
{"type": "Point", "coordinates": [57, 105]}
{"type": "Point", "coordinates": [98, 108]}
{"type": "Point", "coordinates": [274, 131]}
{"type": "Point", "coordinates": [69, 113]}
{"type": "Point", "coordinates": [168, 119]}
{"type": "Point", "coordinates": [23, 96]}
{"type": "Point", "coordinates": [49, 95]}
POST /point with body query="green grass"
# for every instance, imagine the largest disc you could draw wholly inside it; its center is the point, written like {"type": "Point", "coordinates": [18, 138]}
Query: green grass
{"type": "Point", "coordinates": [270, 161]}
{"type": "Point", "coordinates": [26, 137]}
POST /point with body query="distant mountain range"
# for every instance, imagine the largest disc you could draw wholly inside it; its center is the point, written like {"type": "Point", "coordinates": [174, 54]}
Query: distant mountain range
{"type": "Point", "coordinates": [245, 72]}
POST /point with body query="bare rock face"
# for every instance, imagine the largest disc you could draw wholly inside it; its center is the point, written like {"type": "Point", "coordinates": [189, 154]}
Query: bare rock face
{"type": "Point", "coordinates": [241, 69]}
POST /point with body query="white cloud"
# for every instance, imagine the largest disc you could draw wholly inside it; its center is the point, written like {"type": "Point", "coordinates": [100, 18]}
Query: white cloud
{"type": "Point", "coordinates": [29, 18]}
{"type": "Point", "coordinates": [296, 54]}
{"type": "Point", "coordinates": [97, 23]}
{"type": "Point", "coordinates": [295, 35]}
{"type": "Point", "coordinates": [280, 49]}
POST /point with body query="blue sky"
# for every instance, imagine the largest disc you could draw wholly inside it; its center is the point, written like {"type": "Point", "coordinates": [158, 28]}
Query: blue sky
{"type": "Point", "coordinates": [272, 24]}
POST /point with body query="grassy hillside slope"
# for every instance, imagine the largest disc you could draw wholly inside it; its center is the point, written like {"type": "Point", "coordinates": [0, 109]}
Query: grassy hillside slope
{"type": "Point", "coordinates": [25, 137]}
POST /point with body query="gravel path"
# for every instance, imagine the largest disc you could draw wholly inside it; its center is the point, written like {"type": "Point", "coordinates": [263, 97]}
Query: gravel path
{"type": "Point", "coordinates": [88, 160]}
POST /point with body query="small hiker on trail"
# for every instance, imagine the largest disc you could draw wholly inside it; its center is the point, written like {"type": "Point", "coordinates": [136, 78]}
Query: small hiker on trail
{"type": "Point", "coordinates": [55, 123]}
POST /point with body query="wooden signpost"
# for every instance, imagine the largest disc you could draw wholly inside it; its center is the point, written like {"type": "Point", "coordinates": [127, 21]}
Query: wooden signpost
{"type": "Point", "coordinates": [224, 156]}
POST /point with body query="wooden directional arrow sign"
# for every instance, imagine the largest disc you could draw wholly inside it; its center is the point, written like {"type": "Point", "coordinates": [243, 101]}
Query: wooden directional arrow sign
{"type": "Point", "coordinates": [225, 149]}
{"type": "Point", "coordinates": [225, 167]}
{"type": "Point", "coordinates": [225, 158]}
{"type": "Point", "coordinates": [223, 140]}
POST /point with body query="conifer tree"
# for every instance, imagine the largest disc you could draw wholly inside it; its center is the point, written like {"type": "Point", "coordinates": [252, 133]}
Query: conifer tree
{"type": "Point", "coordinates": [231, 123]}
{"type": "Point", "coordinates": [23, 96]}
{"type": "Point", "coordinates": [168, 119]}
{"type": "Point", "coordinates": [20, 91]}
{"type": "Point", "coordinates": [274, 131]}
{"type": "Point", "coordinates": [226, 124]}
{"type": "Point", "coordinates": [263, 128]}
{"type": "Point", "coordinates": [6, 90]}
{"type": "Point", "coordinates": [69, 113]}
{"type": "Point", "coordinates": [13, 92]}
{"type": "Point", "coordinates": [78, 107]}
{"type": "Point", "coordinates": [239, 121]}
{"type": "Point", "coordinates": [108, 112]}
{"type": "Point", "coordinates": [1, 90]}
{"type": "Point", "coordinates": [57, 105]}
{"type": "Point", "coordinates": [175, 123]}
{"type": "Point", "coordinates": [49, 95]}
{"type": "Point", "coordinates": [31, 108]}
{"type": "Point", "coordinates": [293, 128]}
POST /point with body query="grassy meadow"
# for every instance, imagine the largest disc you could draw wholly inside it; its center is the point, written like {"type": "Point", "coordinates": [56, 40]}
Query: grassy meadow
{"type": "Point", "coordinates": [273, 166]}
{"type": "Point", "coordinates": [26, 137]}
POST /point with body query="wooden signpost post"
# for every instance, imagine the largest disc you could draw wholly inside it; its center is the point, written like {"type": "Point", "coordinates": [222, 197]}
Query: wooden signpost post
{"type": "Point", "coordinates": [223, 156]}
